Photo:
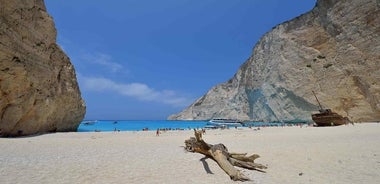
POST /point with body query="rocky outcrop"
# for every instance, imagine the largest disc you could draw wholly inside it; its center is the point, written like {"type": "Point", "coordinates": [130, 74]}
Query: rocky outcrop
{"type": "Point", "coordinates": [38, 88]}
{"type": "Point", "coordinates": [333, 50]}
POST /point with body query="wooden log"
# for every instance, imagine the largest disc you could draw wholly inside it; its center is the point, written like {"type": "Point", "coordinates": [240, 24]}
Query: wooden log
{"type": "Point", "coordinates": [225, 160]}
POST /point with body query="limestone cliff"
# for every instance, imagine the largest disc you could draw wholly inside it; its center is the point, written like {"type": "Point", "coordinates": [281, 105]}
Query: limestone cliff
{"type": "Point", "coordinates": [334, 50]}
{"type": "Point", "coordinates": [38, 88]}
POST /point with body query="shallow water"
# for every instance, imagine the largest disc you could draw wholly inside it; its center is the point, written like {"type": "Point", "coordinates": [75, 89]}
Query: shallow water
{"type": "Point", "coordinates": [133, 125]}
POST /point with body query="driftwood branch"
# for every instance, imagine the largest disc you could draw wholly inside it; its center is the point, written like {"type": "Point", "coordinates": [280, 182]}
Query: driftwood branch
{"type": "Point", "coordinates": [225, 160]}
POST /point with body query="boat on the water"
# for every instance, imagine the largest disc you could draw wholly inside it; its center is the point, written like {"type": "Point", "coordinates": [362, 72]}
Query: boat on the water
{"type": "Point", "coordinates": [326, 117]}
{"type": "Point", "coordinates": [225, 122]}
{"type": "Point", "coordinates": [89, 122]}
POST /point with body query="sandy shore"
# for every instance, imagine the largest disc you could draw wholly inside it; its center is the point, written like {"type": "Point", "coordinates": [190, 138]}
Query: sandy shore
{"type": "Point", "coordinates": [345, 154]}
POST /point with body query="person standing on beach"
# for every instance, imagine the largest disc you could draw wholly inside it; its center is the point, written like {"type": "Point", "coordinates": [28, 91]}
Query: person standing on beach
{"type": "Point", "coordinates": [158, 132]}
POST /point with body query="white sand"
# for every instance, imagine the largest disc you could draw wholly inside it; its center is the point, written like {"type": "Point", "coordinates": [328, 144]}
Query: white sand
{"type": "Point", "coordinates": [345, 154]}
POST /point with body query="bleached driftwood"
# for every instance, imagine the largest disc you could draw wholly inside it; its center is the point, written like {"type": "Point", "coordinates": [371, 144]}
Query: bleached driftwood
{"type": "Point", "coordinates": [225, 160]}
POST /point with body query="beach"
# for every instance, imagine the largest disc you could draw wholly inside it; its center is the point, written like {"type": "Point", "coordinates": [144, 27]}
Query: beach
{"type": "Point", "coordinates": [343, 154]}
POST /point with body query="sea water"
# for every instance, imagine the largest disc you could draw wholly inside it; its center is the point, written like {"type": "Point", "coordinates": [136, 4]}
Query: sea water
{"type": "Point", "coordinates": [136, 125]}
{"type": "Point", "coordinates": [130, 125]}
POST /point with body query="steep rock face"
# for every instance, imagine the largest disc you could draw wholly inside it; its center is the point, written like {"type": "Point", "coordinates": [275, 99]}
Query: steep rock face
{"type": "Point", "coordinates": [38, 88]}
{"type": "Point", "coordinates": [333, 50]}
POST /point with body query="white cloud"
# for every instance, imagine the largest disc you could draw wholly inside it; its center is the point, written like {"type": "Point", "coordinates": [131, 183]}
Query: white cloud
{"type": "Point", "coordinates": [104, 60]}
{"type": "Point", "coordinates": [139, 91]}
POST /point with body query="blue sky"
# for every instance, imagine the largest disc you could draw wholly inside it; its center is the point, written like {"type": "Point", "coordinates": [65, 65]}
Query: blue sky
{"type": "Point", "coordinates": [148, 59]}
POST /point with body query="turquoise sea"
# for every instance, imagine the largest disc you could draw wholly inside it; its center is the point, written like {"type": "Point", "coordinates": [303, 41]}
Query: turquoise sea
{"type": "Point", "coordinates": [136, 125]}
{"type": "Point", "coordinates": [133, 125]}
